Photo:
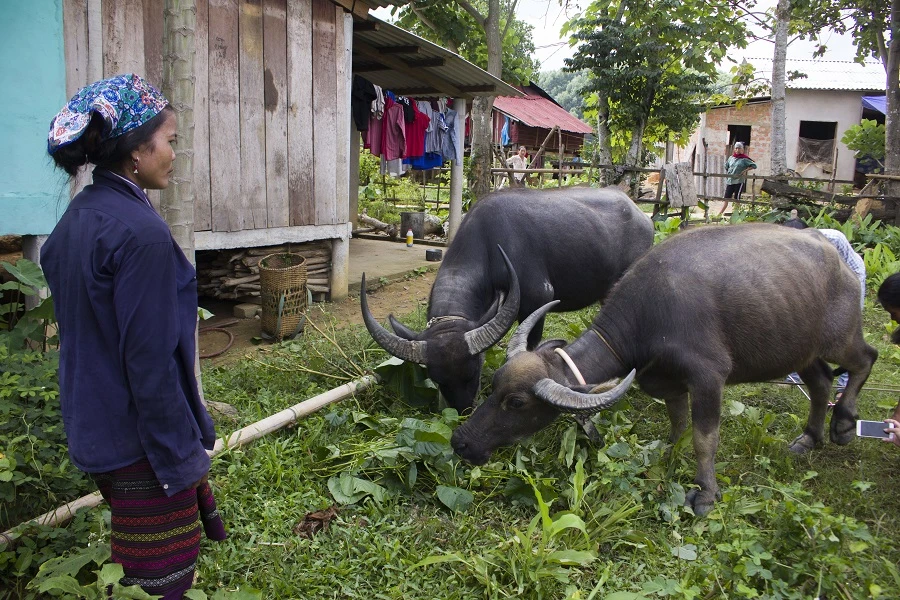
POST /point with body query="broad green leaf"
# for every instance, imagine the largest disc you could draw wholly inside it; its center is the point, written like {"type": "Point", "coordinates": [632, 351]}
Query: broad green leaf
{"type": "Point", "coordinates": [437, 559]}
{"type": "Point", "coordinates": [110, 574]}
{"type": "Point", "coordinates": [62, 583]}
{"type": "Point", "coordinates": [626, 596]}
{"type": "Point", "coordinates": [347, 489]}
{"type": "Point", "coordinates": [239, 594]}
{"type": "Point", "coordinates": [454, 498]}
{"type": "Point", "coordinates": [567, 446]}
{"type": "Point", "coordinates": [26, 272]}
{"type": "Point", "coordinates": [686, 552]}
{"type": "Point", "coordinates": [735, 408]}
{"type": "Point", "coordinates": [412, 474]}
{"type": "Point", "coordinates": [568, 521]}
{"type": "Point", "coordinates": [572, 557]}
{"type": "Point", "coordinates": [196, 595]}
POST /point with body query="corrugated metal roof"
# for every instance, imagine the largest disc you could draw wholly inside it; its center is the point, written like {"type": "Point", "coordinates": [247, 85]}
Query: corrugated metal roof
{"type": "Point", "coordinates": [537, 111]}
{"type": "Point", "coordinates": [406, 64]}
{"type": "Point", "coordinates": [827, 74]}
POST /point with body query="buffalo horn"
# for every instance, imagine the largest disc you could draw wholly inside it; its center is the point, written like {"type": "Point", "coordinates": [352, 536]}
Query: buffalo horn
{"type": "Point", "coordinates": [411, 351]}
{"type": "Point", "coordinates": [519, 340]}
{"type": "Point", "coordinates": [570, 401]}
{"type": "Point", "coordinates": [482, 338]}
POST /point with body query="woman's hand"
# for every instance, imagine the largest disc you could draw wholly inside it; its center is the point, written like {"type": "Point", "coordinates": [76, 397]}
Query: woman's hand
{"type": "Point", "coordinates": [893, 427]}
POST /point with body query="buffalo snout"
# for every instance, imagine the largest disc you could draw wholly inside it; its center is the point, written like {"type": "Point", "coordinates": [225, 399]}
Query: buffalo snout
{"type": "Point", "coordinates": [467, 449]}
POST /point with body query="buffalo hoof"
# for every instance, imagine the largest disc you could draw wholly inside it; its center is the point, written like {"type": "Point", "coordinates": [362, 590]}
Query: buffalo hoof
{"type": "Point", "coordinates": [701, 501]}
{"type": "Point", "coordinates": [843, 431]}
{"type": "Point", "coordinates": [803, 443]}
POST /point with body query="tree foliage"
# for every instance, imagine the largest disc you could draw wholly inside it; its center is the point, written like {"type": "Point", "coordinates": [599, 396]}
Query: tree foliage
{"type": "Point", "coordinates": [451, 26]}
{"type": "Point", "coordinates": [565, 88]}
{"type": "Point", "coordinates": [652, 62]}
{"type": "Point", "coordinates": [866, 140]}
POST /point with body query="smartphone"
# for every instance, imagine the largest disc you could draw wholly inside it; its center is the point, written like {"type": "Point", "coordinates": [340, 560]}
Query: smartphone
{"type": "Point", "coordinates": [872, 429]}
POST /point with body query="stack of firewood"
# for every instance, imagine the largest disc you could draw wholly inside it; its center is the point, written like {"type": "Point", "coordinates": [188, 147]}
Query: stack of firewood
{"type": "Point", "coordinates": [234, 274]}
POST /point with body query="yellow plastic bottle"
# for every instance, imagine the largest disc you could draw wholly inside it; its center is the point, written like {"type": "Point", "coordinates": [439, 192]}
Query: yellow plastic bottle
{"type": "Point", "coordinates": [409, 238]}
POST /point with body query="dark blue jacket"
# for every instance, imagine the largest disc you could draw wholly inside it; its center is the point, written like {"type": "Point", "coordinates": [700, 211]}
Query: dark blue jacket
{"type": "Point", "coordinates": [125, 298]}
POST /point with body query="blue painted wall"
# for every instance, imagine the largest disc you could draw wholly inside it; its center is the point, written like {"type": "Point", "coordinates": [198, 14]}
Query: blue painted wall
{"type": "Point", "coordinates": [33, 194]}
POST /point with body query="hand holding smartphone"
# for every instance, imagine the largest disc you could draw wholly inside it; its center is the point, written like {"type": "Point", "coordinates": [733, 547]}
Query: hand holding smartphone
{"type": "Point", "coordinates": [873, 429]}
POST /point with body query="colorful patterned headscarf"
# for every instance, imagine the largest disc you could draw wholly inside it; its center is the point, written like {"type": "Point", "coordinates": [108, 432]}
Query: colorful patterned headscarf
{"type": "Point", "coordinates": [124, 101]}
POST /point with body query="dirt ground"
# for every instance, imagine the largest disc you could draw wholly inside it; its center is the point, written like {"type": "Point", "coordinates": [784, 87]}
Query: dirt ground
{"type": "Point", "coordinates": [400, 298]}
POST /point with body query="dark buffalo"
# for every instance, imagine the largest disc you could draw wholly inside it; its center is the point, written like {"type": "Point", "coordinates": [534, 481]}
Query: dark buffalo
{"type": "Point", "coordinates": [569, 245]}
{"type": "Point", "coordinates": [707, 308]}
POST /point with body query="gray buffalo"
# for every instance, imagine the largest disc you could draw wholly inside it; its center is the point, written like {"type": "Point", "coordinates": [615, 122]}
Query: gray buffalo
{"type": "Point", "coordinates": [569, 245]}
{"type": "Point", "coordinates": [707, 308]}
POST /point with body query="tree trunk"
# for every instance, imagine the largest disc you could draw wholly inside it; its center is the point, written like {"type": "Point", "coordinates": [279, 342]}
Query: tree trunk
{"type": "Point", "coordinates": [779, 142]}
{"type": "Point", "coordinates": [177, 201]}
{"type": "Point", "coordinates": [480, 158]}
{"type": "Point", "coordinates": [604, 139]}
{"type": "Point", "coordinates": [633, 158]}
{"type": "Point", "coordinates": [482, 130]}
{"type": "Point", "coordinates": [892, 120]}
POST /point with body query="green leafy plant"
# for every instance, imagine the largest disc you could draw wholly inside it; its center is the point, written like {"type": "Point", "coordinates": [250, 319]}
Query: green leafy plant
{"type": "Point", "coordinates": [665, 228]}
{"type": "Point", "coordinates": [26, 326]}
{"type": "Point", "coordinates": [532, 562]}
{"type": "Point", "coordinates": [867, 140]}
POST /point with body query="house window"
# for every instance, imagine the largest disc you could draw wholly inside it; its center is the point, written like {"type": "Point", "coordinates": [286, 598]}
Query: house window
{"type": "Point", "coordinates": [737, 133]}
{"type": "Point", "coordinates": [816, 144]}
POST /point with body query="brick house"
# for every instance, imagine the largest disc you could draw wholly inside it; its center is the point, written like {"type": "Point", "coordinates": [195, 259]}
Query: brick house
{"type": "Point", "coordinates": [819, 108]}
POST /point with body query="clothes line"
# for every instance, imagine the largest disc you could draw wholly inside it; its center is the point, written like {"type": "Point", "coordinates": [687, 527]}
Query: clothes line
{"type": "Point", "coordinates": [404, 132]}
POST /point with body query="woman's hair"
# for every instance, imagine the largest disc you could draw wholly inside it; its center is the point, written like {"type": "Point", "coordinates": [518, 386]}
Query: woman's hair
{"type": "Point", "coordinates": [739, 145]}
{"type": "Point", "coordinates": [109, 153]}
{"type": "Point", "coordinates": [889, 292]}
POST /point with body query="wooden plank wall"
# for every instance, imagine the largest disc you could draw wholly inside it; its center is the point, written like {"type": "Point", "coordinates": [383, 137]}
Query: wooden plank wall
{"type": "Point", "coordinates": [275, 81]}
{"type": "Point", "coordinates": [272, 113]}
{"type": "Point", "coordinates": [300, 113]}
{"type": "Point", "coordinates": [202, 193]}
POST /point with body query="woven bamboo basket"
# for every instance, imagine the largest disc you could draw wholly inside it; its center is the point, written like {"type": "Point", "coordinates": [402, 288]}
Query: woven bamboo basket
{"type": "Point", "coordinates": [282, 279]}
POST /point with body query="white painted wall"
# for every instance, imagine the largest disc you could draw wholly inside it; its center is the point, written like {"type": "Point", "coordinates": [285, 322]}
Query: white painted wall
{"type": "Point", "coordinates": [845, 108]}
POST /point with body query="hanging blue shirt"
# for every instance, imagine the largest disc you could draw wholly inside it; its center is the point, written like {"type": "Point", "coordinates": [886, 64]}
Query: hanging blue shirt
{"type": "Point", "coordinates": [125, 298]}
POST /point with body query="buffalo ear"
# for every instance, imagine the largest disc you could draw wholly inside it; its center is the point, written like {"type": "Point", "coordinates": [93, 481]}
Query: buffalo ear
{"type": "Point", "coordinates": [551, 345]}
{"type": "Point", "coordinates": [594, 388]}
{"type": "Point", "coordinates": [402, 330]}
{"type": "Point", "coordinates": [599, 388]}
{"type": "Point", "coordinates": [492, 309]}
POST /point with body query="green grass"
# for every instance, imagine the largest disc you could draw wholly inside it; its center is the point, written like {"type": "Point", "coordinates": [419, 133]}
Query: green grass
{"type": "Point", "coordinates": [817, 524]}
{"type": "Point", "coordinates": [787, 527]}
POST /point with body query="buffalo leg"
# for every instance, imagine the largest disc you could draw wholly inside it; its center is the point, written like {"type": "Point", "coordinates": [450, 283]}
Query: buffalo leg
{"type": "Point", "coordinates": [706, 409]}
{"type": "Point", "coordinates": [817, 377]}
{"type": "Point", "coordinates": [677, 409]}
{"type": "Point", "coordinates": [843, 419]}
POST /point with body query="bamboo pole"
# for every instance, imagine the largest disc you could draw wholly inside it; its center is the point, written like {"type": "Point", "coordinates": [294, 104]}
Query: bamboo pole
{"type": "Point", "coordinates": [239, 438]}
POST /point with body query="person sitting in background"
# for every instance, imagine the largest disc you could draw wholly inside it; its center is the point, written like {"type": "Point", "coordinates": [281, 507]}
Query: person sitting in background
{"type": "Point", "coordinates": [125, 298]}
{"type": "Point", "coordinates": [736, 167]}
{"type": "Point", "coordinates": [852, 259]}
{"type": "Point", "coordinates": [518, 161]}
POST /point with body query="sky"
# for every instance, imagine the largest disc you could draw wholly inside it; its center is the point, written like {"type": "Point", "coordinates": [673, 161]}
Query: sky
{"type": "Point", "coordinates": [547, 17]}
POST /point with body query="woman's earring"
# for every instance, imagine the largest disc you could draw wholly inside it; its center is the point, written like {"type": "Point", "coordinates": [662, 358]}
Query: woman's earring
{"type": "Point", "coordinates": [135, 165]}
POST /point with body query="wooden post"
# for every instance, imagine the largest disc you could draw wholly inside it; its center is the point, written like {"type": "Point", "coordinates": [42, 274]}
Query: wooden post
{"type": "Point", "coordinates": [833, 168]}
{"type": "Point", "coordinates": [705, 179]}
{"type": "Point", "coordinates": [659, 188]}
{"type": "Point", "coordinates": [355, 143]}
{"type": "Point", "coordinates": [456, 172]}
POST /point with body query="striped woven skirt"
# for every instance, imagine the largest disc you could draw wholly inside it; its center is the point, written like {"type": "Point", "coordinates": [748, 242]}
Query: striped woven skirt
{"type": "Point", "coordinates": [155, 537]}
